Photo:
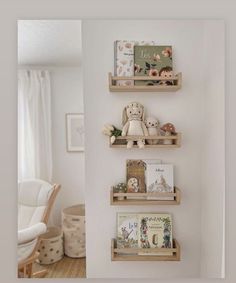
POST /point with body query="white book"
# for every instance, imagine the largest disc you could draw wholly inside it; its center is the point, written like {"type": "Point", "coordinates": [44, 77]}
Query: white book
{"type": "Point", "coordinates": [159, 179]}
{"type": "Point", "coordinates": [124, 59]}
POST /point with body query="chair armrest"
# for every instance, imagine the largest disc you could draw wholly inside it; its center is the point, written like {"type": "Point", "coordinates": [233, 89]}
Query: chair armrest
{"type": "Point", "coordinates": [30, 233]}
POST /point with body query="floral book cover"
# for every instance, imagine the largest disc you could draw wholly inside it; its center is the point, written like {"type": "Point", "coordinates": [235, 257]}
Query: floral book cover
{"type": "Point", "coordinates": [153, 61]}
{"type": "Point", "coordinates": [127, 230]}
{"type": "Point", "coordinates": [124, 59]}
{"type": "Point", "coordinates": [135, 177]}
{"type": "Point", "coordinates": [155, 231]}
{"type": "Point", "coordinates": [159, 179]}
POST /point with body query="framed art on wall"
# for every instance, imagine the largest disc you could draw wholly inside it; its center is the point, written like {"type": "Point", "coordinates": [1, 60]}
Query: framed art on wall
{"type": "Point", "coordinates": [75, 132]}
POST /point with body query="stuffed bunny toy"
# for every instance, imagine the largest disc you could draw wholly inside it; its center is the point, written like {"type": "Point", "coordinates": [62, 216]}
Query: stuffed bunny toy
{"type": "Point", "coordinates": [153, 127]}
{"type": "Point", "coordinates": [133, 123]}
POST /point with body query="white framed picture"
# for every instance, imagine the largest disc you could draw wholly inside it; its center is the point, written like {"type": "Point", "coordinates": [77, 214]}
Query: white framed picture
{"type": "Point", "coordinates": [75, 132]}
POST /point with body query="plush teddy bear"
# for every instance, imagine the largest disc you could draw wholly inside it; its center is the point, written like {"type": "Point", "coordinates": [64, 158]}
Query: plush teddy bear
{"type": "Point", "coordinates": [153, 127]}
{"type": "Point", "coordinates": [133, 123]}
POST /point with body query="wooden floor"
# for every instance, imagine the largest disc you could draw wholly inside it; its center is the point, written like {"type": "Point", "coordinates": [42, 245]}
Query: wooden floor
{"type": "Point", "coordinates": [65, 268]}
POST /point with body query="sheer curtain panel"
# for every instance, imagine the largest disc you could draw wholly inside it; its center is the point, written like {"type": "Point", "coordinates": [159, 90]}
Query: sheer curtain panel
{"type": "Point", "coordinates": [34, 125]}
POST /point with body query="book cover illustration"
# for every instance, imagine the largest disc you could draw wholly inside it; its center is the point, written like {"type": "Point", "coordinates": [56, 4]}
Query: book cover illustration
{"type": "Point", "coordinates": [135, 177]}
{"type": "Point", "coordinates": [159, 179]}
{"type": "Point", "coordinates": [127, 230]}
{"type": "Point", "coordinates": [124, 59]}
{"type": "Point", "coordinates": [155, 231]}
{"type": "Point", "coordinates": [153, 61]}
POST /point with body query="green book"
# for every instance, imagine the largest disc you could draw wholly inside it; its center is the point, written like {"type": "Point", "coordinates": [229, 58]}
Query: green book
{"type": "Point", "coordinates": [153, 61]}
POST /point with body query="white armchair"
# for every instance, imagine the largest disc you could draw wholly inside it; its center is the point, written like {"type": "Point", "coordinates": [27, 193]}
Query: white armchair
{"type": "Point", "coordinates": [35, 200]}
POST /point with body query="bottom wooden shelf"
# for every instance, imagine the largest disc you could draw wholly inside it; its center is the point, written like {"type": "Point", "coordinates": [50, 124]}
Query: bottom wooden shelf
{"type": "Point", "coordinates": [131, 254]}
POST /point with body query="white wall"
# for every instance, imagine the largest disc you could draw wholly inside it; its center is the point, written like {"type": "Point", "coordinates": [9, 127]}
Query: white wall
{"type": "Point", "coordinates": [213, 166]}
{"type": "Point", "coordinates": [105, 166]}
{"type": "Point", "coordinates": [68, 167]}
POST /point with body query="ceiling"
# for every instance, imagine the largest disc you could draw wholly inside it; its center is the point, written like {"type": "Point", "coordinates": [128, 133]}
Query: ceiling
{"type": "Point", "coordinates": [49, 42]}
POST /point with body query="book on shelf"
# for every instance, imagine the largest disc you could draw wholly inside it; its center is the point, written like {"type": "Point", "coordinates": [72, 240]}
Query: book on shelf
{"type": "Point", "coordinates": [155, 231]}
{"type": "Point", "coordinates": [127, 230]}
{"type": "Point", "coordinates": [147, 231]}
{"type": "Point", "coordinates": [124, 59]}
{"type": "Point", "coordinates": [159, 179]}
{"type": "Point", "coordinates": [135, 177]}
{"type": "Point", "coordinates": [153, 61]}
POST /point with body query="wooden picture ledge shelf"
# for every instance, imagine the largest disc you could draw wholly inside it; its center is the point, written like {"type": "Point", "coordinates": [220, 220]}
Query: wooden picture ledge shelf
{"type": "Point", "coordinates": [115, 198]}
{"type": "Point", "coordinates": [132, 254]}
{"type": "Point", "coordinates": [121, 142]}
{"type": "Point", "coordinates": [177, 79]}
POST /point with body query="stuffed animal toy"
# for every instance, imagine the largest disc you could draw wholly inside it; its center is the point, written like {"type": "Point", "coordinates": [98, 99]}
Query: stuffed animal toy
{"type": "Point", "coordinates": [168, 129]}
{"type": "Point", "coordinates": [133, 123]}
{"type": "Point", "coordinates": [152, 125]}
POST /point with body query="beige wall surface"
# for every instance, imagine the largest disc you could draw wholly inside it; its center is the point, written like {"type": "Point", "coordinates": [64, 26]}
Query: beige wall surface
{"type": "Point", "coordinates": [192, 110]}
{"type": "Point", "coordinates": [184, 9]}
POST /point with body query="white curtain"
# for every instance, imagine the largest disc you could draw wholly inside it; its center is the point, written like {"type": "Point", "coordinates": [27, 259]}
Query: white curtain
{"type": "Point", "coordinates": [34, 125]}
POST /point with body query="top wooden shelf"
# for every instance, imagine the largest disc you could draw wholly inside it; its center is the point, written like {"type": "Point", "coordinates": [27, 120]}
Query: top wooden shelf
{"type": "Point", "coordinates": [177, 79]}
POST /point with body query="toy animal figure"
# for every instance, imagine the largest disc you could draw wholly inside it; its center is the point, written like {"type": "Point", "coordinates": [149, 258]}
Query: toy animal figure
{"type": "Point", "coordinates": [152, 125]}
{"type": "Point", "coordinates": [133, 124]}
{"type": "Point", "coordinates": [168, 129]}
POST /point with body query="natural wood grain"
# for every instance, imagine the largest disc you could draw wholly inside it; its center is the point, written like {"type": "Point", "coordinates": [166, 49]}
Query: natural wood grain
{"type": "Point", "coordinates": [131, 254]}
{"type": "Point", "coordinates": [143, 78]}
{"type": "Point", "coordinates": [120, 141]}
{"type": "Point", "coordinates": [150, 88]}
{"type": "Point", "coordinates": [173, 137]}
{"type": "Point", "coordinates": [115, 201]}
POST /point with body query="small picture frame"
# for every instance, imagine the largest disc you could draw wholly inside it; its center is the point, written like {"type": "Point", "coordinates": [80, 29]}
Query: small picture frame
{"type": "Point", "coordinates": [75, 132]}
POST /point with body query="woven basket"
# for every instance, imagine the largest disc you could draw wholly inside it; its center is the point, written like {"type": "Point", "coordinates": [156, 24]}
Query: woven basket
{"type": "Point", "coordinates": [51, 246]}
{"type": "Point", "coordinates": [73, 226]}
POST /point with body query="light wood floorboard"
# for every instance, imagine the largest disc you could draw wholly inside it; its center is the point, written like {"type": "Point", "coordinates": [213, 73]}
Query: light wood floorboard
{"type": "Point", "coordinates": [65, 268]}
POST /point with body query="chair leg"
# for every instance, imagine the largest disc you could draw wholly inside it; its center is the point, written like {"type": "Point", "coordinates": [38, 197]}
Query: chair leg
{"type": "Point", "coordinates": [25, 271]}
{"type": "Point", "coordinates": [20, 272]}
{"type": "Point", "coordinates": [40, 274]}
{"type": "Point", "coordinates": [29, 270]}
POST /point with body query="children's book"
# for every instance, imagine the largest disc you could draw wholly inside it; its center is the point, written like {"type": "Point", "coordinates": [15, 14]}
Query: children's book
{"type": "Point", "coordinates": [135, 177]}
{"type": "Point", "coordinates": [155, 231]}
{"type": "Point", "coordinates": [155, 61]}
{"type": "Point", "coordinates": [124, 59]}
{"type": "Point", "coordinates": [159, 179]}
{"type": "Point", "coordinates": [127, 230]}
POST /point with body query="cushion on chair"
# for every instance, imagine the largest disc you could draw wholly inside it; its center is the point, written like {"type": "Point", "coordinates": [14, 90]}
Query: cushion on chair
{"type": "Point", "coordinates": [33, 196]}
{"type": "Point", "coordinates": [25, 250]}
{"type": "Point", "coordinates": [28, 234]}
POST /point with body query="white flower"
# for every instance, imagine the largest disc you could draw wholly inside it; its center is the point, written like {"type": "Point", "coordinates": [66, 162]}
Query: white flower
{"type": "Point", "coordinates": [109, 127]}
{"type": "Point", "coordinates": [106, 132]}
{"type": "Point", "coordinates": [113, 138]}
